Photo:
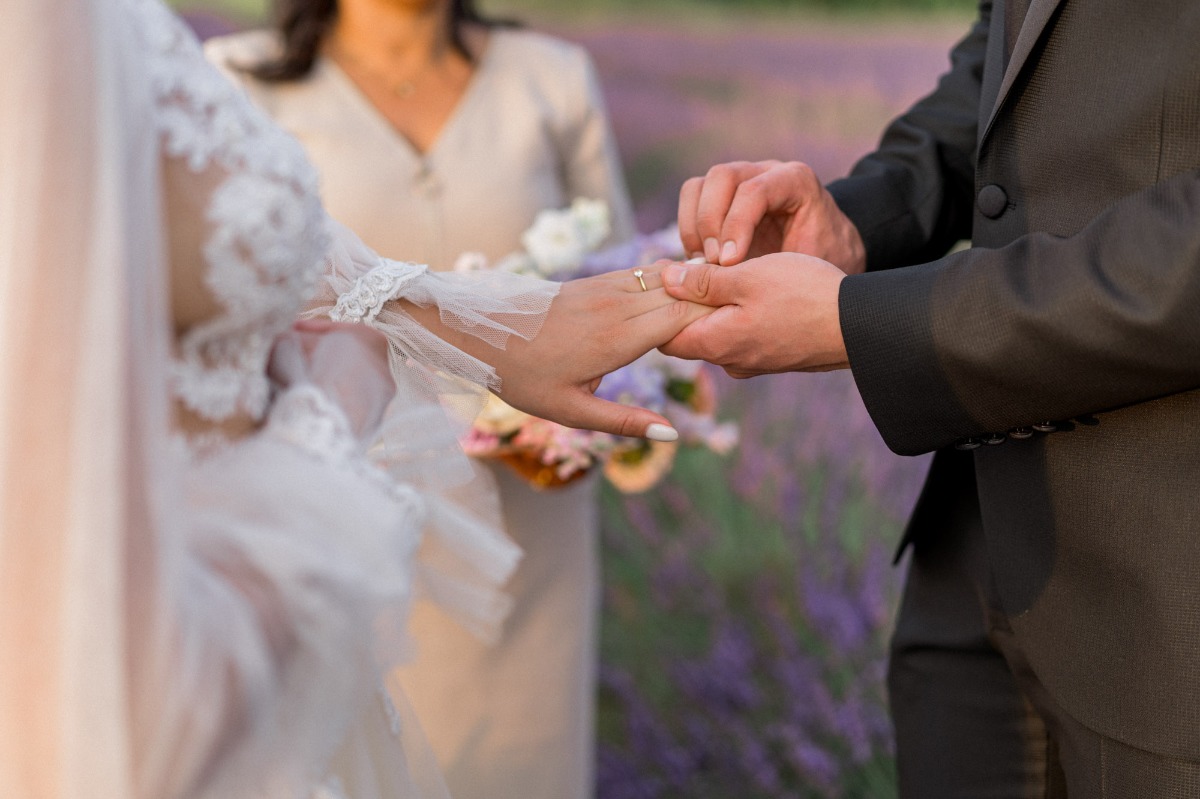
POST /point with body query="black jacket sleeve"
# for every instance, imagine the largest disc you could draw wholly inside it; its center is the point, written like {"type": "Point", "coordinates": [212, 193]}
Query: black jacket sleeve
{"type": "Point", "coordinates": [912, 199]}
{"type": "Point", "coordinates": [1047, 328]}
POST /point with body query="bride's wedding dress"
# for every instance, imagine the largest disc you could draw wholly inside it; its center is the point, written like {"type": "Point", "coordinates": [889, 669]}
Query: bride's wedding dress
{"type": "Point", "coordinates": [209, 616]}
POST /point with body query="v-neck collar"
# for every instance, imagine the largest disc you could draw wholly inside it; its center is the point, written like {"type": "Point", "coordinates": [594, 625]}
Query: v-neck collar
{"type": "Point", "coordinates": [359, 98]}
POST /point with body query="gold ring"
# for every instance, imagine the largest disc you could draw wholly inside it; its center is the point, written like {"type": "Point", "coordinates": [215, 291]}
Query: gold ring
{"type": "Point", "coordinates": [638, 274]}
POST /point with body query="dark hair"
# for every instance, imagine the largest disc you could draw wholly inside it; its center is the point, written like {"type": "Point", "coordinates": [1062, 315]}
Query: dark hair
{"type": "Point", "coordinates": [303, 24]}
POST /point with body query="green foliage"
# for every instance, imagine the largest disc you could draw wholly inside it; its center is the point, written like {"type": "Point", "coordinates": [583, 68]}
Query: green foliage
{"type": "Point", "coordinates": [239, 11]}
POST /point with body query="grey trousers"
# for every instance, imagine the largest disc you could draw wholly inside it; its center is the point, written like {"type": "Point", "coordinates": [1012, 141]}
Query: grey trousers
{"type": "Point", "coordinates": [972, 720]}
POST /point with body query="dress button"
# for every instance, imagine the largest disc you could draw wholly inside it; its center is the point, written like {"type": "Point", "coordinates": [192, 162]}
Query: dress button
{"type": "Point", "coordinates": [992, 201]}
{"type": "Point", "coordinates": [427, 186]}
{"type": "Point", "coordinates": [968, 444]}
{"type": "Point", "coordinates": [424, 179]}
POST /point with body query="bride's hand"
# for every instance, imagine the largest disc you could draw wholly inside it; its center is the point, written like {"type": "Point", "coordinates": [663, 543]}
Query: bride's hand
{"type": "Point", "coordinates": [595, 325]}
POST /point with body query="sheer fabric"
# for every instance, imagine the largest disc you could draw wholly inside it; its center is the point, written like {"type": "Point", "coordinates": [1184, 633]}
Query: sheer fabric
{"type": "Point", "coordinates": [514, 716]}
{"type": "Point", "coordinates": [67, 515]}
{"type": "Point", "coordinates": [183, 620]}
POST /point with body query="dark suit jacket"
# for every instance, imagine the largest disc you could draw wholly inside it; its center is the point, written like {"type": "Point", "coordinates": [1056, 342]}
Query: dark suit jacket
{"type": "Point", "coordinates": [1074, 172]}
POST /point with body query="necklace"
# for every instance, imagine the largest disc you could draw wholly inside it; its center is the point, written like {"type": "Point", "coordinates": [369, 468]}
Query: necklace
{"type": "Point", "coordinates": [403, 88]}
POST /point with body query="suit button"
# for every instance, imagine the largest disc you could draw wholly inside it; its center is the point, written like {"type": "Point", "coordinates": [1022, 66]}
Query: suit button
{"type": "Point", "coordinates": [1020, 433]}
{"type": "Point", "coordinates": [968, 444]}
{"type": "Point", "coordinates": [1045, 427]}
{"type": "Point", "coordinates": [992, 439]}
{"type": "Point", "coordinates": [992, 201]}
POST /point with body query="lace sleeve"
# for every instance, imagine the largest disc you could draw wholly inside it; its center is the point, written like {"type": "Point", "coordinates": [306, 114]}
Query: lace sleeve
{"type": "Point", "coordinates": [167, 628]}
{"type": "Point", "coordinates": [172, 624]}
{"type": "Point", "coordinates": [263, 228]}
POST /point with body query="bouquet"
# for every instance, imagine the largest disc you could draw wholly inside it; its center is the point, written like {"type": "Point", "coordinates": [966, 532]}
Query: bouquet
{"type": "Point", "coordinates": [561, 245]}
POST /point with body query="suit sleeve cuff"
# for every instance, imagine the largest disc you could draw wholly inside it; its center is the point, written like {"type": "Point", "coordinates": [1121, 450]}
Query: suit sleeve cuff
{"type": "Point", "coordinates": [888, 332]}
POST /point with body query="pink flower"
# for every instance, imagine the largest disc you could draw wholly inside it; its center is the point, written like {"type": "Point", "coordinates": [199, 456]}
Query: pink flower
{"type": "Point", "coordinates": [479, 444]}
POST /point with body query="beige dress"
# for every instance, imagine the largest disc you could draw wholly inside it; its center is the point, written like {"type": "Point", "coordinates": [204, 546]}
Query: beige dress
{"type": "Point", "coordinates": [514, 720]}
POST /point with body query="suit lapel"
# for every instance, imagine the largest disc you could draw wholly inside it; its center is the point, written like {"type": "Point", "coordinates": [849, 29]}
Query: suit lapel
{"type": "Point", "coordinates": [993, 66]}
{"type": "Point", "coordinates": [1036, 19]}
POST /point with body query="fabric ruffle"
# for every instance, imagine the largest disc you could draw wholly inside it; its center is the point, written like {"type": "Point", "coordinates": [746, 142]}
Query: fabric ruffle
{"type": "Point", "coordinates": [322, 554]}
{"type": "Point", "coordinates": [465, 557]}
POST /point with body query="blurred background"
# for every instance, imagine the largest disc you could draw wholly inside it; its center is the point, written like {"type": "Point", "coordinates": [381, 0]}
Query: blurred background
{"type": "Point", "coordinates": [748, 598]}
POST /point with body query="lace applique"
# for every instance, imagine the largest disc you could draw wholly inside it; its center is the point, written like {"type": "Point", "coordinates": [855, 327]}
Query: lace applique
{"type": "Point", "coordinates": [366, 299]}
{"type": "Point", "coordinates": [306, 418]}
{"type": "Point", "coordinates": [268, 230]}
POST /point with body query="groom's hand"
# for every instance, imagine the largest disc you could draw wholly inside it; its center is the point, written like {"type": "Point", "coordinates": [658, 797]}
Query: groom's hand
{"type": "Point", "coordinates": [778, 313]}
{"type": "Point", "coordinates": [595, 325]}
{"type": "Point", "coordinates": [744, 210]}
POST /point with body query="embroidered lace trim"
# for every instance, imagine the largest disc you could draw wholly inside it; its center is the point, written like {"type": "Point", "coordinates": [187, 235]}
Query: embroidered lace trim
{"type": "Point", "coordinates": [366, 299]}
{"type": "Point", "coordinates": [306, 418]}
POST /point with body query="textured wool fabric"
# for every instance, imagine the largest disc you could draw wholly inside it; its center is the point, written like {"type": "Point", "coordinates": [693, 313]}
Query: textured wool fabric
{"type": "Point", "coordinates": [1074, 171]}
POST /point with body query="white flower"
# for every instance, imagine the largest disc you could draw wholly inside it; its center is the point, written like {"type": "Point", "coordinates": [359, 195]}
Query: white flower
{"type": "Point", "coordinates": [499, 418]}
{"type": "Point", "coordinates": [471, 262]}
{"type": "Point", "coordinates": [592, 218]}
{"type": "Point", "coordinates": [555, 242]}
{"type": "Point", "coordinates": [559, 239]}
{"type": "Point", "coordinates": [519, 264]}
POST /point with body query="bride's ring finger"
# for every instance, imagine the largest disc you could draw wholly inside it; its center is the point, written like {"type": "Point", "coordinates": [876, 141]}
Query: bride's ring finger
{"type": "Point", "coordinates": [641, 278]}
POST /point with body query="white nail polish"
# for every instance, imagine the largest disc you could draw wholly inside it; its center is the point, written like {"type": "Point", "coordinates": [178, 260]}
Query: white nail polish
{"type": "Point", "coordinates": [661, 432]}
{"type": "Point", "coordinates": [699, 259]}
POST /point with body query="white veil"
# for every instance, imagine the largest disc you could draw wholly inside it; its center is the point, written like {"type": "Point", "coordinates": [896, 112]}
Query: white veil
{"type": "Point", "coordinates": [82, 340]}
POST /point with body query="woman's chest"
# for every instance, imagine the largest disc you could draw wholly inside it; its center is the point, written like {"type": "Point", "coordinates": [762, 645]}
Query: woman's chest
{"type": "Point", "coordinates": [478, 190]}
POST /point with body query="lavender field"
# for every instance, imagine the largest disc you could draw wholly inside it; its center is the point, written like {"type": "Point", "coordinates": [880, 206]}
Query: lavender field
{"type": "Point", "coordinates": [748, 598]}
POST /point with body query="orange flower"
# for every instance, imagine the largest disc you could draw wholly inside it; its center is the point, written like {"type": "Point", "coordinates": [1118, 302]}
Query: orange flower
{"type": "Point", "coordinates": [639, 466]}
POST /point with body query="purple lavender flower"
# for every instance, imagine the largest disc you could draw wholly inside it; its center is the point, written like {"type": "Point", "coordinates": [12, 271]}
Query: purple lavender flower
{"type": "Point", "coordinates": [755, 594]}
{"type": "Point", "coordinates": [637, 384]}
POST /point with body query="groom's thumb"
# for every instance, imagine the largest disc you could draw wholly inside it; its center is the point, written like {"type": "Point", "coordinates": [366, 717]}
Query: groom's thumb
{"type": "Point", "coordinates": [701, 283]}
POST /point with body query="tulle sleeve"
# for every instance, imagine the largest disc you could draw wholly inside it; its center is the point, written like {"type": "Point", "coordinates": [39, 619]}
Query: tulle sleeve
{"type": "Point", "coordinates": [361, 286]}
{"type": "Point", "coordinates": [464, 558]}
